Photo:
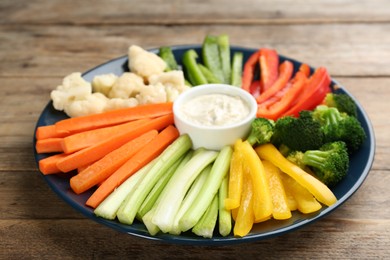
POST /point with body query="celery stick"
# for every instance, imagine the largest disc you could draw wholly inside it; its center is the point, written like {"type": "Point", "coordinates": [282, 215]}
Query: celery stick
{"type": "Point", "coordinates": [177, 187]}
{"type": "Point", "coordinates": [224, 216]}
{"type": "Point", "coordinates": [211, 57]}
{"type": "Point", "coordinates": [237, 65]}
{"type": "Point", "coordinates": [224, 54]}
{"type": "Point", "coordinates": [205, 226]}
{"type": "Point", "coordinates": [208, 191]}
{"type": "Point", "coordinates": [147, 220]}
{"type": "Point", "coordinates": [155, 192]}
{"type": "Point", "coordinates": [169, 156]}
{"type": "Point", "coordinates": [109, 207]}
{"type": "Point", "coordinates": [189, 198]}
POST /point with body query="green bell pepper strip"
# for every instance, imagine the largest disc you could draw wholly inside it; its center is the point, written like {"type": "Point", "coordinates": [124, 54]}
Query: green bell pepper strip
{"type": "Point", "coordinates": [194, 74]}
{"type": "Point", "coordinates": [166, 54]}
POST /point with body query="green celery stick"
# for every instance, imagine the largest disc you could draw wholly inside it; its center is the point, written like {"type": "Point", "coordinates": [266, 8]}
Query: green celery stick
{"type": "Point", "coordinates": [224, 54]}
{"type": "Point", "coordinates": [224, 215]}
{"type": "Point", "coordinates": [208, 74]}
{"type": "Point", "coordinates": [237, 65]}
{"type": "Point", "coordinates": [211, 57]}
{"type": "Point", "coordinates": [177, 187]}
{"type": "Point", "coordinates": [206, 225]}
{"type": "Point", "coordinates": [189, 198]}
{"type": "Point", "coordinates": [109, 206]}
{"type": "Point", "coordinates": [208, 191]}
{"type": "Point", "coordinates": [169, 156]}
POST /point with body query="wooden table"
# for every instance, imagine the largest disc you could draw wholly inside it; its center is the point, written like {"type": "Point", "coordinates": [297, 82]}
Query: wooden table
{"type": "Point", "coordinates": [42, 41]}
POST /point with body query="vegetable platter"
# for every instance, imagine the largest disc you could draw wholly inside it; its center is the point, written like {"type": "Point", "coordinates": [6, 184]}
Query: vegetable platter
{"type": "Point", "coordinates": [360, 164]}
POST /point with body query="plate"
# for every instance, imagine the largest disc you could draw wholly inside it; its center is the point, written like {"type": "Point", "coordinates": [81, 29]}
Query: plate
{"type": "Point", "coordinates": [360, 165]}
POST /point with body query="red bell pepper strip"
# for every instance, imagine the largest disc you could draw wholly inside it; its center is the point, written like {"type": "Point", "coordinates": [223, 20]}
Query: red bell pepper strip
{"type": "Point", "coordinates": [276, 109]}
{"type": "Point", "coordinates": [269, 68]}
{"type": "Point", "coordinates": [285, 73]}
{"type": "Point", "coordinates": [249, 69]}
{"type": "Point", "coordinates": [315, 91]}
{"type": "Point", "coordinates": [254, 89]}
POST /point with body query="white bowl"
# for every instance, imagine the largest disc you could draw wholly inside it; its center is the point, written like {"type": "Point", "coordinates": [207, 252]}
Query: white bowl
{"type": "Point", "coordinates": [214, 137]}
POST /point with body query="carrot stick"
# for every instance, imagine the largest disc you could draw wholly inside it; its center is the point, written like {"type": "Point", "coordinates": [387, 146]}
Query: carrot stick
{"type": "Point", "coordinates": [140, 159]}
{"type": "Point", "coordinates": [48, 131]}
{"type": "Point", "coordinates": [103, 168]}
{"type": "Point", "coordinates": [49, 145]}
{"type": "Point", "coordinates": [113, 117]}
{"type": "Point", "coordinates": [85, 139]}
{"type": "Point", "coordinates": [48, 165]}
{"type": "Point", "coordinates": [97, 151]}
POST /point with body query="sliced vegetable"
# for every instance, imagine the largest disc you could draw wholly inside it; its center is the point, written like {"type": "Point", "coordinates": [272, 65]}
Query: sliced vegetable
{"type": "Point", "coordinates": [48, 165]}
{"type": "Point", "coordinates": [235, 180]}
{"type": "Point", "coordinates": [113, 117]}
{"type": "Point", "coordinates": [49, 145]}
{"type": "Point", "coordinates": [169, 156]}
{"type": "Point", "coordinates": [224, 55]}
{"type": "Point", "coordinates": [110, 205]}
{"type": "Point", "coordinates": [97, 151]}
{"type": "Point", "coordinates": [269, 68]}
{"type": "Point", "coordinates": [320, 191]}
{"type": "Point", "coordinates": [211, 57]}
{"type": "Point", "coordinates": [167, 55]}
{"type": "Point", "coordinates": [206, 225]}
{"type": "Point", "coordinates": [105, 167]}
{"type": "Point", "coordinates": [237, 64]}
{"type": "Point", "coordinates": [224, 215]}
{"type": "Point", "coordinates": [177, 187]}
{"type": "Point", "coordinates": [208, 191]}
{"type": "Point", "coordinates": [210, 77]}
{"type": "Point", "coordinates": [194, 73]}
{"type": "Point", "coordinates": [150, 151]}
{"type": "Point", "coordinates": [48, 131]}
{"type": "Point", "coordinates": [249, 70]}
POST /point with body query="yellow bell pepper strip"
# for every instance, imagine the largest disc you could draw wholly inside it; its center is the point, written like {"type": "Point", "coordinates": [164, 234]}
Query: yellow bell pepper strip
{"type": "Point", "coordinates": [306, 203]}
{"type": "Point", "coordinates": [320, 191]}
{"type": "Point", "coordinates": [235, 181]}
{"type": "Point", "coordinates": [278, 195]}
{"type": "Point", "coordinates": [245, 215]}
{"type": "Point", "coordinates": [262, 201]}
{"type": "Point", "coordinates": [291, 202]}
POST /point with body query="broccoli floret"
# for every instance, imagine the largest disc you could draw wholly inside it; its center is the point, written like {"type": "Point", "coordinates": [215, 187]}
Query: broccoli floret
{"type": "Point", "coordinates": [261, 131]}
{"type": "Point", "coordinates": [330, 163]}
{"type": "Point", "coordinates": [338, 126]}
{"type": "Point", "coordinates": [342, 102]}
{"type": "Point", "coordinates": [298, 133]}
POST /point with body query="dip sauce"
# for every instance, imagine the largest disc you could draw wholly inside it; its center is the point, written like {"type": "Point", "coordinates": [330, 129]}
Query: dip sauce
{"type": "Point", "coordinates": [215, 110]}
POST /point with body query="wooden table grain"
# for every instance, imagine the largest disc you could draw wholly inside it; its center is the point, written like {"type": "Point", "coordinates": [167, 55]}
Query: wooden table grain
{"type": "Point", "coordinates": [42, 41]}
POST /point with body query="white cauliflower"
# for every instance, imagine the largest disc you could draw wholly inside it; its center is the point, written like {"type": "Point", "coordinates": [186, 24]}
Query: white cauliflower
{"type": "Point", "coordinates": [151, 94]}
{"type": "Point", "coordinates": [103, 83]}
{"type": "Point", "coordinates": [145, 63]}
{"type": "Point", "coordinates": [126, 86]}
{"type": "Point", "coordinates": [92, 104]}
{"type": "Point", "coordinates": [173, 82]}
{"type": "Point", "coordinates": [73, 87]}
{"type": "Point", "coordinates": [116, 103]}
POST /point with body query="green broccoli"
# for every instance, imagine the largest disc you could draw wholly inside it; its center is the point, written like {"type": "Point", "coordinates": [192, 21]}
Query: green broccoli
{"type": "Point", "coordinates": [298, 133]}
{"type": "Point", "coordinates": [329, 163]}
{"type": "Point", "coordinates": [261, 131]}
{"type": "Point", "coordinates": [342, 102]}
{"type": "Point", "coordinates": [338, 126]}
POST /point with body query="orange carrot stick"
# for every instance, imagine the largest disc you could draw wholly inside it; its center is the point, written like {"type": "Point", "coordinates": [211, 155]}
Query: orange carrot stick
{"type": "Point", "coordinates": [48, 131]}
{"type": "Point", "coordinates": [85, 139]}
{"type": "Point", "coordinates": [103, 168]}
{"type": "Point", "coordinates": [49, 145]}
{"type": "Point", "coordinates": [140, 159]}
{"type": "Point", "coordinates": [97, 151]}
{"type": "Point", "coordinates": [113, 117]}
{"type": "Point", "coordinates": [48, 165]}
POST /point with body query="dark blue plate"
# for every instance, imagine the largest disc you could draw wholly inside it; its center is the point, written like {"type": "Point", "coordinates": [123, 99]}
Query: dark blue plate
{"type": "Point", "coordinates": [360, 165]}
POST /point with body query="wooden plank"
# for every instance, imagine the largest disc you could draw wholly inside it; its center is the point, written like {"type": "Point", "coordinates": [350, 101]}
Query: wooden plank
{"type": "Point", "coordinates": [82, 239]}
{"type": "Point", "coordinates": [37, 51]}
{"type": "Point", "coordinates": [162, 12]}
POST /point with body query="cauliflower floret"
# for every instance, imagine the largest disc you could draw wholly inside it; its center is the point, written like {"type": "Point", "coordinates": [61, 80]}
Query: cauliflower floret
{"type": "Point", "coordinates": [127, 85]}
{"type": "Point", "coordinates": [103, 83]}
{"type": "Point", "coordinates": [116, 103]}
{"type": "Point", "coordinates": [173, 82]}
{"type": "Point", "coordinates": [73, 87]}
{"type": "Point", "coordinates": [145, 63]}
{"type": "Point", "coordinates": [92, 104]}
{"type": "Point", "coordinates": [152, 94]}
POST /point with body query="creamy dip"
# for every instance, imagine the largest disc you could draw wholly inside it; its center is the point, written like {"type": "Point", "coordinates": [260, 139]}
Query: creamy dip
{"type": "Point", "coordinates": [215, 110]}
